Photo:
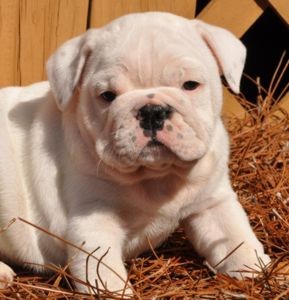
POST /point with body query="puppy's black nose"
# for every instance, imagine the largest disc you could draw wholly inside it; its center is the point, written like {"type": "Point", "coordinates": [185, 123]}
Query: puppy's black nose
{"type": "Point", "coordinates": [152, 117]}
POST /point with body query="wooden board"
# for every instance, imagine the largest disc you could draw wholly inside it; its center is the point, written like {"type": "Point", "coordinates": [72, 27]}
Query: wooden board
{"type": "Point", "coordinates": [284, 103]}
{"type": "Point", "coordinates": [231, 106]}
{"type": "Point", "coordinates": [282, 8]}
{"type": "Point", "coordinates": [9, 50]}
{"type": "Point", "coordinates": [44, 25]}
{"type": "Point", "coordinates": [103, 11]}
{"type": "Point", "coordinates": [237, 16]}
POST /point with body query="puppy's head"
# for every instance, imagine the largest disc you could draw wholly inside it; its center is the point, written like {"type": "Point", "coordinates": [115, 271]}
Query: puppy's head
{"type": "Point", "coordinates": [145, 90]}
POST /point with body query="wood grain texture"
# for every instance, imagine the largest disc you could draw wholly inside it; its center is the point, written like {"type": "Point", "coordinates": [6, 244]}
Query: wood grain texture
{"type": "Point", "coordinates": [282, 8]}
{"type": "Point", "coordinates": [236, 16]}
{"type": "Point", "coordinates": [103, 11]}
{"type": "Point", "coordinates": [9, 41]}
{"type": "Point", "coordinates": [44, 25]}
{"type": "Point", "coordinates": [231, 106]}
{"type": "Point", "coordinates": [284, 103]}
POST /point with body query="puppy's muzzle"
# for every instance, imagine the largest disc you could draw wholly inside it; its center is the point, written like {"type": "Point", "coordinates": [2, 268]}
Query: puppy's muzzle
{"type": "Point", "coordinates": [152, 117]}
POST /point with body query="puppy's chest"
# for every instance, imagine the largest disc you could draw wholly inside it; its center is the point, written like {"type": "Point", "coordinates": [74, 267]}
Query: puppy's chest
{"type": "Point", "coordinates": [148, 231]}
{"type": "Point", "coordinates": [153, 223]}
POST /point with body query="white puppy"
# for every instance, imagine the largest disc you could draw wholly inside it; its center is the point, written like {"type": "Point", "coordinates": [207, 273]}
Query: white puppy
{"type": "Point", "coordinates": [124, 143]}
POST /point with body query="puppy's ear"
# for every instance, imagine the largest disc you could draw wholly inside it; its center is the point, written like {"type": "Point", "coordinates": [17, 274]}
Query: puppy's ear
{"type": "Point", "coordinates": [228, 50]}
{"type": "Point", "coordinates": [64, 69]}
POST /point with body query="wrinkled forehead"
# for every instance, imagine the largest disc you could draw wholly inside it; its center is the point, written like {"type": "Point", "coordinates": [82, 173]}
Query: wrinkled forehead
{"type": "Point", "coordinates": [157, 38]}
{"type": "Point", "coordinates": [146, 47]}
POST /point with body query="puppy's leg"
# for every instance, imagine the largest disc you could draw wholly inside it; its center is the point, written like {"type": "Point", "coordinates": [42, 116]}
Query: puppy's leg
{"type": "Point", "coordinates": [218, 230]}
{"type": "Point", "coordinates": [103, 237]}
{"type": "Point", "coordinates": [6, 275]}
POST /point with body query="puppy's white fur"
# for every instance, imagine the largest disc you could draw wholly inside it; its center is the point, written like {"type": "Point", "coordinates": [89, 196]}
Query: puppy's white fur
{"type": "Point", "coordinates": [82, 168]}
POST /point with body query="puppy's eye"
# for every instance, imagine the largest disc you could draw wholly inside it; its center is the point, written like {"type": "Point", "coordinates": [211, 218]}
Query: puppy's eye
{"type": "Point", "coordinates": [190, 85]}
{"type": "Point", "coordinates": [108, 96]}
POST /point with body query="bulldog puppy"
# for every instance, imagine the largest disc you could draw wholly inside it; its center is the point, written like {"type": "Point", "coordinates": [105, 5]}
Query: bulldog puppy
{"type": "Point", "coordinates": [121, 145]}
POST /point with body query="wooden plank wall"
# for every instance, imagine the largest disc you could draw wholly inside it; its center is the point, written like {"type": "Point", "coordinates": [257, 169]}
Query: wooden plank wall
{"type": "Point", "coordinates": [30, 30]}
{"type": "Point", "coordinates": [9, 41]}
{"type": "Point", "coordinates": [102, 12]}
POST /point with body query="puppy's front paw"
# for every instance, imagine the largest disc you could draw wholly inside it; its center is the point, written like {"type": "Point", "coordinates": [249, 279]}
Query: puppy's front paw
{"type": "Point", "coordinates": [244, 262]}
{"type": "Point", "coordinates": [6, 275]}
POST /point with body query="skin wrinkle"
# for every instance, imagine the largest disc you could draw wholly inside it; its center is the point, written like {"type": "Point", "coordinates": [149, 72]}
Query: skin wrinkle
{"type": "Point", "coordinates": [147, 67]}
{"type": "Point", "coordinates": [143, 69]}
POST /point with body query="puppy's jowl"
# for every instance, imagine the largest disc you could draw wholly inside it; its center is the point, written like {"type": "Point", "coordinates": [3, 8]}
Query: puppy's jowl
{"type": "Point", "coordinates": [120, 146]}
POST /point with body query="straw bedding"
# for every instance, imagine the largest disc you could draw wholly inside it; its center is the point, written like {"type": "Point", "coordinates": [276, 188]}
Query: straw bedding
{"type": "Point", "coordinates": [260, 175]}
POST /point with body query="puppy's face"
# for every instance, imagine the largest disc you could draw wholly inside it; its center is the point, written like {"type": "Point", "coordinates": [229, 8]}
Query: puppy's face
{"type": "Point", "coordinates": [149, 94]}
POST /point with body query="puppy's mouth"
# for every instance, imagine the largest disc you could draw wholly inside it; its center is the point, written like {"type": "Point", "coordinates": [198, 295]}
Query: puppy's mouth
{"type": "Point", "coordinates": [155, 153]}
{"type": "Point", "coordinates": [154, 142]}
{"type": "Point", "coordinates": [153, 147]}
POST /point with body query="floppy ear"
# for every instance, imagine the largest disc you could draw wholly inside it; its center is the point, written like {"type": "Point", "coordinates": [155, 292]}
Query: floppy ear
{"type": "Point", "coordinates": [228, 50]}
{"type": "Point", "coordinates": [64, 69]}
